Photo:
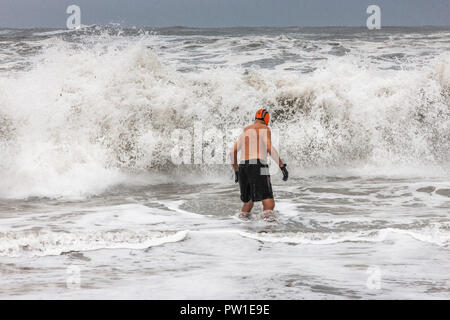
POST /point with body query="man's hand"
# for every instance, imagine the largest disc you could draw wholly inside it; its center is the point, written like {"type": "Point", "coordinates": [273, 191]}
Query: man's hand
{"type": "Point", "coordinates": [285, 172]}
{"type": "Point", "coordinates": [236, 176]}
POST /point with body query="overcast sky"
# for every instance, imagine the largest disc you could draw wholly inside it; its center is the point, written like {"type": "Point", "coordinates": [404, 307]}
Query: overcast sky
{"type": "Point", "coordinates": [220, 13]}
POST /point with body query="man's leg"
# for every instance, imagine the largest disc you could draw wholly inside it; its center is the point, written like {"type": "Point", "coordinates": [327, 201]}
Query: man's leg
{"type": "Point", "coordinates": [268, 206]}
{"type": "Point", "coordinates": [246, 208]}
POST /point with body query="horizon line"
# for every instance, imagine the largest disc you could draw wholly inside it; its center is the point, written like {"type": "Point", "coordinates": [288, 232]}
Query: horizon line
{"type": "Point", "coordinates": [224, 27]}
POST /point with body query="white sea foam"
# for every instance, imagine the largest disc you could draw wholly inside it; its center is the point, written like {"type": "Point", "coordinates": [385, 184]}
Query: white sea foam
{"type": "Point", "coordinates": [44, 243]}
{"type": "Point", "coordinates": [95, 111]}
{"type": "Point", "coordinates": [430, 235]}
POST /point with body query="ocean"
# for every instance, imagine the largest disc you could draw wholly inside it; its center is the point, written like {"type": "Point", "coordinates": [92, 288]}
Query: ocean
{"type": "Point", "coordinates": [115, 180]}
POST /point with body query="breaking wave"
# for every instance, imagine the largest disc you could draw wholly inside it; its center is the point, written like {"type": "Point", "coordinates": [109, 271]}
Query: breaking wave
{"type": "Point", "coordinates": [44, 243]}
{"type": "Point", "coordinates": [86, 114]}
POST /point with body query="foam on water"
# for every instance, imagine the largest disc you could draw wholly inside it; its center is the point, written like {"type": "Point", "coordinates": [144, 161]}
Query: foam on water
{"type": "Point", "coordinates": [98, 107]}
{"type": "Point", "coordinates": [432, 235]}
{"type": "Point", "coordinates": [31, 243]}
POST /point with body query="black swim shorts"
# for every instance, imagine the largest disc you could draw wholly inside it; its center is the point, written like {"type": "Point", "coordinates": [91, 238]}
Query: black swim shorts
{"type": "Point", "coordinates": [254, 180]}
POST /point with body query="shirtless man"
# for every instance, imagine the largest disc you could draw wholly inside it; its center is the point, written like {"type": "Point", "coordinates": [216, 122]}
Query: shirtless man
{"type": "Point", "coordinates": [252, 173]}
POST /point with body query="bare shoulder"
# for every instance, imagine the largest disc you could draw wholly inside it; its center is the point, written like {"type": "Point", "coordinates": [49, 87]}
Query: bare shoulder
{"type": "Point", "coordinates": [251, 126]}
{"type": "Point", "coordinates": [264, 128]}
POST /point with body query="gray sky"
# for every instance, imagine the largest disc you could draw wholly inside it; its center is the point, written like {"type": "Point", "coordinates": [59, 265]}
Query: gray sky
{"type": "Point", "coordinates": [220, 13]}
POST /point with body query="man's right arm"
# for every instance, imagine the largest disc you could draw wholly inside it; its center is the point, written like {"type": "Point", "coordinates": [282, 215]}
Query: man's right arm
{"type": "Point", "coordinates": [233, 155]}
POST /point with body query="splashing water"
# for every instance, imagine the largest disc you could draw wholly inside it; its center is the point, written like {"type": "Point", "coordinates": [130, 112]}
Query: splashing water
{"type": "Point", "coordinates": [99, 102]}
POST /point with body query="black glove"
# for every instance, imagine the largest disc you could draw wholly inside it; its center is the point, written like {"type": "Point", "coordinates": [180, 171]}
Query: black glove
{"type": "Point", "coordinates": [236, 176]}
{"type": "Point", "coordinates": [285, 172]}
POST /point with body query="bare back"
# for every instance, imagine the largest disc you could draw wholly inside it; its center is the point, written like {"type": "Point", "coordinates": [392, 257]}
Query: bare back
{"type": "Point", "coordinates": [253, 142]}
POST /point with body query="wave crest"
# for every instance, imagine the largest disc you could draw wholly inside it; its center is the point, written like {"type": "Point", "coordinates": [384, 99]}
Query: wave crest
{"type": "Point", "coordinates": [45, 243]}
{"type": "Point", "coordinates": [436, 236]}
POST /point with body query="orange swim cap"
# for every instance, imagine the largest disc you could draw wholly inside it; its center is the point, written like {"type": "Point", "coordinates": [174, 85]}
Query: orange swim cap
{"type": "Point", "coordinates": [262, 114]}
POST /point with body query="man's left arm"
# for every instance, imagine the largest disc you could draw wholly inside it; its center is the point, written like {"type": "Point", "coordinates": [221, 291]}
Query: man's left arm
{"type": "Point", "coordinates": [271, 149]}
{"type": "Point", "coordinates": [275, 156]}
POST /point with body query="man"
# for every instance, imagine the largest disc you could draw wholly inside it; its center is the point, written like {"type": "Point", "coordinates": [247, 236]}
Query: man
{"type": "Point", "coordinates": [255, 143]}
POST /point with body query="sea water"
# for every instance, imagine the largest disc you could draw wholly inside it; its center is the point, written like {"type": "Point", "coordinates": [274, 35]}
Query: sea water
{"type": "Point", "coordinates": [94, 203]}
